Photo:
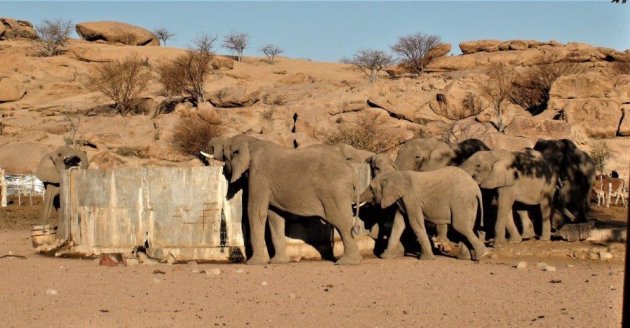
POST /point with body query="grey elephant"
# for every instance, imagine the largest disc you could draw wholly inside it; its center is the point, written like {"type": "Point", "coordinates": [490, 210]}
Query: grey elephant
{"type": "Point", "coordinates": [214, 150]}
{"type": "Point", "coordinates": [428, 154]}
{"type": "Point", "coordinates": [49, 172]}
{"type": "Point", "coordinates": [520, 176]}
{"type": "Point", "coordinates": [314, 181]}
{"type": "Point", "coordinates": [448, 196]}
{"type": "Point", "coordinates": [576, 171]}
{"type": "Point", "coordinates": [352, 154]}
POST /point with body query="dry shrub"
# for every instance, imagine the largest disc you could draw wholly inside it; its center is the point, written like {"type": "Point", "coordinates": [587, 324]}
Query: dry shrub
{"type": "Point", "coordinates": [186, 74]}
{"type": "Point", "coordinates": [370, 131]}
{"type": "Point", "coordinates": [53, 34]}
{"type": "Point", "coordinates": [531, 88]}
{"type": "Point", "coordinates": [498, 89]}
{"type": "Point", "coordinates": [122, 81]}
{"type": "Point", "coordinates": [600, 153]}
{"type": "Point", "coordinates": [192, 133]}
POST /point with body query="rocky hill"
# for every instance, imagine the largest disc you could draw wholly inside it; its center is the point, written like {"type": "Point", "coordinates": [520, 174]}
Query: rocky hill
{"type": "Point", "coordinates": [44, 101]}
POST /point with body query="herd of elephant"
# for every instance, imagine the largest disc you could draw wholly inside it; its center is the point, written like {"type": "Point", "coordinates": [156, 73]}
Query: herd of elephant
{"type": "Point", "coordinates": [430, 180]}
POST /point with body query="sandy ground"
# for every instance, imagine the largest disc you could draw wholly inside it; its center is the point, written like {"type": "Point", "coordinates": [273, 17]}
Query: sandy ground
{"type": "Point", "coordinates": [377, 293]}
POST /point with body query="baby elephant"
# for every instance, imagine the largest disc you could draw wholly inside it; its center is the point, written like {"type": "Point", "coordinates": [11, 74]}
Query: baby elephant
{"type": "Point", "coordinates": [444, 196]}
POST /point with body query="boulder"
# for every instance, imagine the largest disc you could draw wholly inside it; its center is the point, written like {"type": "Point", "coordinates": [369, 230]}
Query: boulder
{"type": "Point", "coordinates": [231, 97]}
{"type": "Point", "coordinates": [532, 127]}
{"type": "Point", "coordinates": [467, 129]}
{"type": "Point", "coordinates": [11, 90]}
{"type": "Point", "coordinates": [469, 47]}
{"type": "Point", "coordinates": [589, 85]}
{"type": "Point", "coordinates": [219, 62]}
{"type": "Point", "coordinates": [127, 136]}
{"type": "Point", "coordinates": [14, 29]}
{"type": "Point", "coordinates": [622, 88]}
{"type": "Point", "coordinates": [624, 127]}
{"type": "Point", "coordinates": [599, 117]}
{"type": "Point", "coordinates": [581, 52]}
{"type": "Point", "coordinates": [410, 106]}
{"type": "Point", "coordinates": [87, 54]}
{"type": "Point", "coordinates": [458, 100]}
{"type": "Point", "coordinates": [440, 50]}
{"type": "Point", "coordinates": [498, 140]}
{"type": "Point", "coordinates": [116, 32]}
{"type": "Point", "coordinates": [106, 160]}
{"type": "Point", "coordinates": [297, 78]}
{"type": "Point", "coordinates": [514, 45]}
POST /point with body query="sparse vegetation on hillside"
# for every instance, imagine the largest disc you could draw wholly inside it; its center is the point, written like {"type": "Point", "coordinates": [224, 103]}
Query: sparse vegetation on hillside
{"type": "Point", "coordinates": [370, 131]}
{"type": "Point", "coordinates": [370, 62]}
{"type": "Point", "coordinates": [600, 153]}
{"type": "Point", "coordinates": [414, 50]}
{"type": "Point", "coordinates": [163, 34]}
{"type": "Point", "coordinates": [236, 42]}
{"type": "Point", "coordinates": [187, 74]}
{"type": "Point", "coordinates": [53, 35]}
{"type": "Point", "coordinates": [192, 133]}
{"type": "Point", "coordinates": [531, 88]}
{"type": "Point", "coordinates": [122, 81]}
{"type": "Point", "coordinates": [498, 89]}
{"type": "Point", "coordinates": [271, 51]}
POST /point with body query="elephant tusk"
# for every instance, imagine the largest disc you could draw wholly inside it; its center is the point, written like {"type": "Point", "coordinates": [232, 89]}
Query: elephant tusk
{"type": "Point", "coordinates": [206, 155]}
{"type": "Point", "coordinates": [568, 214]}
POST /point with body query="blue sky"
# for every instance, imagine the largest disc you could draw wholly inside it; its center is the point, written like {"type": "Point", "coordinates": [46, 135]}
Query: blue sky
{"type": "Point", "coordinates": [330, 30]}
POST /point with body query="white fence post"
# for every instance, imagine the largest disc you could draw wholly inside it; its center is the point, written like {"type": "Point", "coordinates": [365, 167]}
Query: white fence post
{"type": "Point", "coordinates": [3, 190]}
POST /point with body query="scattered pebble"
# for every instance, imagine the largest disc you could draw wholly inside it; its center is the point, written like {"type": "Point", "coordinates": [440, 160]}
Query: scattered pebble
{"type": "Point", "coordinates": [131, 262]}
{"type": "Point", "coordinates": [569, 265]}
{"type": "Point", "coordinates": [550, 268]}
{"type": "Point", "coordinates": [215, 271]}
{"type": "Point", "coordinates": [555, 281]}
{"type": "Point", "coordinates": [521, 265]}
{"type": "Point", "coordinates": [605, 256]}
{"type": "Point", "coordinates": [292, 296]}
{"type": "Point", "coordinates": [263, 283]}
{"type": "Point", "coordinates": [239, 271]}
{"type": "Point", "coordinates": [541, 265]}
{"type": "Point", "coordinates": [51, 292]}
{"type": "Point", "coordinates": [156, 280]}
{"type": "Point", "coordinates": [158, 271]}
{"type": "Point", "coordinates": [594, 256]}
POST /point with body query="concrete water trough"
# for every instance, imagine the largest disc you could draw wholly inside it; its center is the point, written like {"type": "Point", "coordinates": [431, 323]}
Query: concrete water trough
{"type": "Point", "coordinates": [172, 214]}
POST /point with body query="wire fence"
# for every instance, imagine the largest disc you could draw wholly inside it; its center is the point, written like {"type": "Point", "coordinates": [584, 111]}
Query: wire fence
{"type": "Point", "coordinates": [19, 185]}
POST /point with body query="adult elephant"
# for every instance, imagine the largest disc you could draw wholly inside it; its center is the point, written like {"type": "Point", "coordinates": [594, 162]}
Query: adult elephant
{"type": "Point", "coordinates": [447, 196]}
{"type": "Point", "coordinates": [429, 154]}
{"type": "Point", "coordinates": [351, 154]}
{"type": "Point", "coordinates": [521, 176]}
{"type": "Point", "coordinates": [314, 181]}
{"type": "Point", "coordinates": [49, 171]}
{"type": "Point", "coordinates": [576, 171]}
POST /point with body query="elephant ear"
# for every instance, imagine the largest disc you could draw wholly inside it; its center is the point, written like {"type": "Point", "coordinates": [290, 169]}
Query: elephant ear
{"type": "Point", "coordinates": [240, 160]}
{"type": "Point", "coordinates": [501, 175]}
{"type": "Point", "coordinates": [46, 170]}
{"type": "Point", "coordinates": [391, 191]}
{"type": "Point", "coordinates": [442, 156]}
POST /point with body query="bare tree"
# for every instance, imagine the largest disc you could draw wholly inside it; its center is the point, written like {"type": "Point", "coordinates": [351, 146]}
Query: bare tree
{"type": "Point", "coordinates": [122, 81]}
{"type": "Point", "coordinates": [187, 73]}
{"type": "Point", "coordinates": [370, 62]}
{"type": "Point", "coordinates": [271, 51]}
{"type": "Point", "coordinates": [600, 153]}
{"type": "Point", "coordinates": [53, 34]}
{"type": "Point", "coordinates": [236, 42]}
{"type": "Point", "coordinates": [498, 89]}
{"type": "Point", "coordinates": [163, 34]}
{"type": "Point", "coordinates": [415, 50]}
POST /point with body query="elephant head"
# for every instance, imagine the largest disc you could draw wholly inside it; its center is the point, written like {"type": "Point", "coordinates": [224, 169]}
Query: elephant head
{"type": "Point", "coordinates": [237, 156]}
{"type": "Point", "coordinates": [424, 154]}
{"type": "Point", "coordinates": [352, 154]}
{"type": "Point", "coordinates": [491, 169]}
{"type": "Point", "coordinates": [467, 148]}
{"type": "Point", "coordinates": [381, 163]}
{"type": "Point", "coordinates": [54, 163]}
{"type": "Point", "coordinates": [386, 189]}
{"type": "Point", "coordinates": [214, 150]}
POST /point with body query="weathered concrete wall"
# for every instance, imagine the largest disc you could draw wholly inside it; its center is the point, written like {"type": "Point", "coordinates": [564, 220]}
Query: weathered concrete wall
{"type": "Point", "coordinates": [178, 212]}
{"type": "Point", "coordinates": [3, 190]}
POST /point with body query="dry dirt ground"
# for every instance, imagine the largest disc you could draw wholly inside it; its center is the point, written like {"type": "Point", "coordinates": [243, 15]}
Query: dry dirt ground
{"type": "Point", "coordinates": [51, 292]}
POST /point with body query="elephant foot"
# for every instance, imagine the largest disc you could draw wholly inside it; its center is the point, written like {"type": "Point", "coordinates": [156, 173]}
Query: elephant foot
{"type": "Point", "coordinates": [528, 235]}
{"type": "Point", "coordinates": [481, 254]}
{"type": "Point", "coordinates": [545, 238]}
{"type": "Point", "coordinates": [279, 259]}
{"type": "Point", "coordinates": [499, 243]}
{"type": "Point", "coordinates": [349, 260]}
{"type": "Point", "coordinates": [515, 240]}
{"type": "Point", "coordinates": [427, 256]}
{"type": "Point", "coordinates": [389, 254]}
{"type": "Point", "coordinates": [464, 252]}
{"type": "Point", "coordinates": [257, 261]}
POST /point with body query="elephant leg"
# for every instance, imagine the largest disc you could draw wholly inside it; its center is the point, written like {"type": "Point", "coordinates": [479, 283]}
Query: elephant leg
{"type": "Point", "coordinates": [526, 223]}
{"type": "Point", "coordinates": [276, 224]}
{"type": "Point", "coordinates": [393, 243]}
{"type": "Point", "coordinates": [49, 197]}
{"type": "Point", "coordinates": [515, 236]}
{"type": "Point", "coordinates": [442, 230]}
{"type": "Point", "coordinates": [416, 221]}
{"type": "Point", "coordinates": [463, 227]}
{"type": "Point", "coordinates": [257, 211]}
{"type": "Point", "coordinates": [545, 209]}
{"type": "Point", "coordinates": [504, 215]}
{"type": "Point", "coordinates": [342, 218]}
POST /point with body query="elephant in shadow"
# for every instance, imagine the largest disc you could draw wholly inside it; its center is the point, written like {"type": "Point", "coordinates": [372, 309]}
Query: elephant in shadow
{"type": "Point", "coordinates": [521, 176]}
{"type": "Point", "coordinates": [428, 154]}
{"type": "Point", "coordinates": [49, 171]}
{"type": "Point", "coordinates": [448, 196]}
{"type": "Point", "coordinates": [314, 181]}
{"type": "Point", "coordinates": [575, 169]}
